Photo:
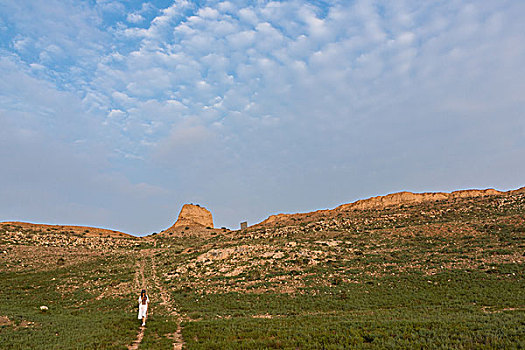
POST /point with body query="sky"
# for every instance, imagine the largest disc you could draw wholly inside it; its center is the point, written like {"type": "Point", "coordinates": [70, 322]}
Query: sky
{"type": "Point", "coordinates": [116, 113]}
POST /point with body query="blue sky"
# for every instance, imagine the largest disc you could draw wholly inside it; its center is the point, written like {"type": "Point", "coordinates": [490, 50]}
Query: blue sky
{"type": "Point", "coordinates": [116, 113]}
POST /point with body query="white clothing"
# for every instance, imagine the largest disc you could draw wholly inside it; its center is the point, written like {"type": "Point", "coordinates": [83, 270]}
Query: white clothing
{"type": "Point", "coordinates": [143, 308]}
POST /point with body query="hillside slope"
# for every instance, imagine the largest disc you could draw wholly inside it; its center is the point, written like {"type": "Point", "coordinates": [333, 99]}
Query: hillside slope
{"type": "Point", "coordinates": [447, 273]}
{"type": "Point", "coordinates": [384, 202]}
{"type": "Point", "coordinates": [65, 229]}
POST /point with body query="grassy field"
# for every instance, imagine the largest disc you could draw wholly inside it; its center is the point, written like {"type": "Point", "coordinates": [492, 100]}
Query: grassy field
{"type": "Point", "coordinates": [438, 275]}
{"type": "Point", "coordinates": [77, 318]}
{"type": "Point", "coordinates": [448, 310]}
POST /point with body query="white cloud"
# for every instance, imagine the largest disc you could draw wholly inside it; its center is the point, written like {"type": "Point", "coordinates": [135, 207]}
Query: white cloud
{"type": "Point", "coordinates": [110, 6]}
{"type": "Point", "coordinates": [117, 115]}
{"type": "Point", "coordinates": [242, 39]}
{"type": "Point", "coordinates": [316, 27]}
{"type": "Point", "coordinates": [37, 67]}
{"type": "Point", "coordinates": [135, 18]}
{"type": "Point", "coordinates": [247, 15]}
{"type": "Point", "coordinates": [208, 13]}
{"type": "Point", "coordinates": [226, 7]}
{"type": "Point", "coordinates": [21, 43]}
{"type": "Point", "coordinates": [405, 38]}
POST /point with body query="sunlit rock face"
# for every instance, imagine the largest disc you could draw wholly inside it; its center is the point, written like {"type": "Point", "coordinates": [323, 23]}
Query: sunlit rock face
{"type": "Point", "coordinates": [192, 215]}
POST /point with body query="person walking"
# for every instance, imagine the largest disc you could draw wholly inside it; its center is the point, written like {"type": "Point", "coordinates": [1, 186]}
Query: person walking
{"type": "Point", "coordinates": [143, 306]}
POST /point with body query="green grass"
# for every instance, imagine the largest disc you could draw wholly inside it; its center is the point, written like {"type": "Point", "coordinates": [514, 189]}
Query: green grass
{"type": "Point", "coordinates": [159, 333]}
{"type": "Point", "coordinates": [450, 310]}
{"type": "Point", "coordinates": [385, 329]}
{"type": "Point", "coordinates": [448, 289]}
{"type": "Point", "coordinates": [75, 320]}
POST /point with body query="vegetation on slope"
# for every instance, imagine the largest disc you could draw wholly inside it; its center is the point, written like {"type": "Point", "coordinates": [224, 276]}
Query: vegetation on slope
{"type": "Point", "coordinates": [446, 274]}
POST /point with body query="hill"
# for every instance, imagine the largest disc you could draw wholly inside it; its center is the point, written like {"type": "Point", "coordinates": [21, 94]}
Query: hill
{"type": "Point", "coordinates": [74, 230]}
{"type": "Point", "coordinates": [390, 200]}
{"type": "Point", "coordinates": [398, 271]}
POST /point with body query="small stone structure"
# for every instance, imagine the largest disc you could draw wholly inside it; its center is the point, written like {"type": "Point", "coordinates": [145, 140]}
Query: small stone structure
{"type": "Point", "coordinates": [244, 225]}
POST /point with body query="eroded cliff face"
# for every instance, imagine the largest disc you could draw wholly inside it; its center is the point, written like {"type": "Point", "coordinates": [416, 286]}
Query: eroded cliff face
{"type": "Point", "coordinates": [413, 198]}
{"type": "Point", "coordinates": [389, 200]}
{"type": "Point", "coordinates": [194, 215]}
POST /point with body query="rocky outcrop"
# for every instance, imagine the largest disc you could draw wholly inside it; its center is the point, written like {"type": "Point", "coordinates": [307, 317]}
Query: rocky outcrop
{"type": "Point", "coordinates": [413, 198]}
{"type": "Point", "coordinates": [390, 200]}
{"type": "Point", "coordinates": [193, 215]}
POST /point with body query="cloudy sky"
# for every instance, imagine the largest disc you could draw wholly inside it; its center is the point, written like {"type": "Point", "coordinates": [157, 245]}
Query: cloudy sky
{"type": "Point", "coordinates": [116, 113]}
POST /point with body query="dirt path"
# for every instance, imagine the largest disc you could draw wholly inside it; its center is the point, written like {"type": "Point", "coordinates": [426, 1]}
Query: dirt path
{"type": "Point", "coordinates": [138, 340]}
{"type": "Point", "coordinates": [178, 342]}
{"type": "Point", "coordinates": [141, 282]}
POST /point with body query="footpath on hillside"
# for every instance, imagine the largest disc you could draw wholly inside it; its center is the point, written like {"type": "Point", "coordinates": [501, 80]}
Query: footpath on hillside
{"type": "Point", "coordinates": [161, 304]}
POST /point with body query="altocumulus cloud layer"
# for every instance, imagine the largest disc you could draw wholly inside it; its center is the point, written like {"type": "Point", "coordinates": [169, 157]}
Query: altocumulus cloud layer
{"type": "Point", "coordinates": [115, 113]}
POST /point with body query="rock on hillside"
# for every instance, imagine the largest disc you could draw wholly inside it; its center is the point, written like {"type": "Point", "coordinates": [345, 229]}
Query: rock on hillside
{"type": "Point", "coordinates": [193, 215]}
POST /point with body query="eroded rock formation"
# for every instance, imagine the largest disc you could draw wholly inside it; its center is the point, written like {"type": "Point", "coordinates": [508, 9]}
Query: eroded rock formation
{"type": "Point", "coordinates": [194, 215]}
{"type": "Point", "coordinates": [412, 198]}
{"type": "Point", "coordinates": [394, 199]}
